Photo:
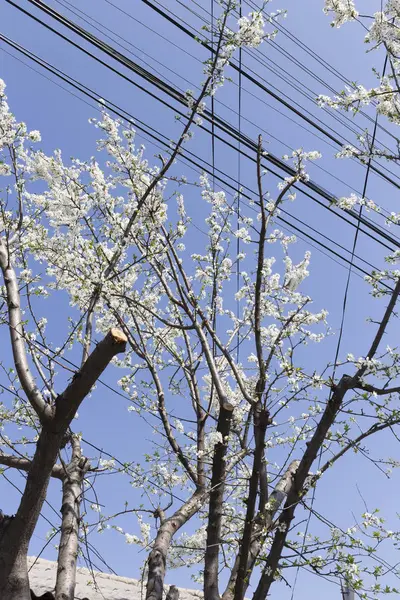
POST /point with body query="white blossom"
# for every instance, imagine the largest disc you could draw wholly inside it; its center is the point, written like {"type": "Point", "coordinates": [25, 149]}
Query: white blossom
{"type": "Point", "coordinates": [343, 10]}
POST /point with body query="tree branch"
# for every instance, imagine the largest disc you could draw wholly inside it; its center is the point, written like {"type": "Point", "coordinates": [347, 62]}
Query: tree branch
{"type": "Point", "coordinates": [373, 429]}
{"type": "Point", "coordinates": [378, 391]}
{"type": "Point", "coordinates": [211, 562]}
{"type": "Point", "coordinates": [17, 337]}
{"type": "Point", "coordinates": [313, 446]}
{"type": "Point", "coordinates": [15, 541]}
{"type": "Point", "coordinates": [259, 279]}
{"type": "Point", "coordinates": [167, 427]}
{"type": "Point", "coordinates": [24, 464]}
{"type": "Point", "coordinates": [69, 401]}
{"type": "Point", "coordinates": [262, 525]}
{"type": "Point", "coordinates": [296, 492]}
{"type": "Point", "coordinates": [158, 555]}
{"type": "Point", "coordinates": [382, 327]}
{"type": "Point", "coordinates": [261, 421]}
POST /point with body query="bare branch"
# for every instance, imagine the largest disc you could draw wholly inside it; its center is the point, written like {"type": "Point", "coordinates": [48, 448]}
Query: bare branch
{"type": "Point", "coordinates": [353, 444]}
{"type": "Point", "coordinates": [69, 401]}
{"type": "Point", "coordinates": [296, 492]}
{"type": "Point", "coordinates": [263, 522]}
{"type": "Point", "coordinates": [167, 427]}
{"type": "Point", "coordinates": [25, 376]}
{"type": "Point", "coordinates": [24, 464]}
{"type": "Point", "coordinates": [378, 391]}
{"type": "Point", "coordinates": [382, 327]}
{"type": "Point", "coordinates": [259, 279]}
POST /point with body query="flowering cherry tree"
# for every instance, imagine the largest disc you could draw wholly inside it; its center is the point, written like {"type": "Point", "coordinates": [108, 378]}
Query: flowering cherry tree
{"type": "Point", "coordinates": [116, 236]}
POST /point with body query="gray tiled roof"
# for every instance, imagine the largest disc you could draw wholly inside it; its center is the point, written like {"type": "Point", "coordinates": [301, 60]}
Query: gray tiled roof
{"type": "Point", "coordinates": [106, 587]}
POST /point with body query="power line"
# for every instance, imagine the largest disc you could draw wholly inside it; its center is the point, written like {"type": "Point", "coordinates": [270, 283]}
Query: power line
{"type": "Point", "coordinates": [172, 43]}
{"type": "Point", "coordinates": [90, 19]}
{"type": "Point", "coordinates": [280, 49]}
{"type": "Point", "coordinates": [259, 56]}
{"type": "Point", "coordinates": [182, 99]}
{"type": "Point", "coordinates": [247, 91]}
{"type": "Point", "coordinates": [257, 51]}
{"type": "Point", "coordinates": [262, 59]}
{"type": "Point", "coordinates": [224, 126]}
{"type": "Point", "coordinates": [94, 96]}
{"type": "Point", "coordinates": [222, 178]}
{"type": "Point", "coordinates": [131, 65]}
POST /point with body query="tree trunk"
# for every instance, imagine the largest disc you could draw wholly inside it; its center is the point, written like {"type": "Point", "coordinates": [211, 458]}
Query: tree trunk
{"type": "Point", "coordinates": [297, 489]}
{"type": "Point", "coordinates": [15, 540]}
{"type": "Point", "coordinates": [262, 524]}
{"type": "Point", "coordinates": [158, 555]}
{"type": "Point", "coordinates": [211, 561]}
{"type": "Point", "coordinates": [70, 510]}
{"type": "Point", "coordinates": [261, 420]}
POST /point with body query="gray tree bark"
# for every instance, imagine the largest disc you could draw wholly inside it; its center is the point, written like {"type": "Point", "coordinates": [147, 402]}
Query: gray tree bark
{"type": "Point", "coordinates": [261, 420]}
{"type": "Point", "coordinates": [158, 555]}
{"type": "Point", "coordinates": [69, 542]}
{"type": "Point", "coordinates": [211, 561]}
{"type": "Point", "coordinates": [173, 593]}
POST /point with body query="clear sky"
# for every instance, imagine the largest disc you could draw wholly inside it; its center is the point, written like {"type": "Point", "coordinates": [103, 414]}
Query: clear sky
{"type": "Point", "coordinates": [157, 45]}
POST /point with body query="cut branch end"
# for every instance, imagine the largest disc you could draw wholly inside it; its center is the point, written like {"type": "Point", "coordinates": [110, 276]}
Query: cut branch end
{"type": "Point", "coordinates": [119, 337]}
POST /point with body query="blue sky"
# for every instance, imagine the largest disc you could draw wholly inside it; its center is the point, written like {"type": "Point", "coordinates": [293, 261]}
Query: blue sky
{"type": "Point", "coordinates": [63, 121]}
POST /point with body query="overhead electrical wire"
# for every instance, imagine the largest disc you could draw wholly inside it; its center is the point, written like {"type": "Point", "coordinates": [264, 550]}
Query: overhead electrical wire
{"type": "Point", "coordinates": [290, 171]}
{"type": "Point", "coordinates": [64, 2]}
{"type": "Point", "coordinates": [312, 97]}
{"type": "Point", "coordinates": [258, 55]}
{"type": "Point", "coordinates": [368, 224]}
{"type": "Point", "coordinates": [116, 55]}
{"type": "Point", "coordinates": [325, 64]}
{"type": "Point", "coordinates": [90, 20]}
{"type": "Point", "coordinates": [281, 50]}
{"type": "Point", "coordinates": [164, 141]}
{"type": "Point", "coordinates": [290, 35]}
{"type": "Point", "coordinates": [278, 25]}
{"type": "Point", "coordinates": [195, 34]}
{"type": "Point", "coordinates": [224, 126]}
{"type": "Point", "coordinates": [247, 91]}
{"type": "Point", "coordinates": [340, 214]}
